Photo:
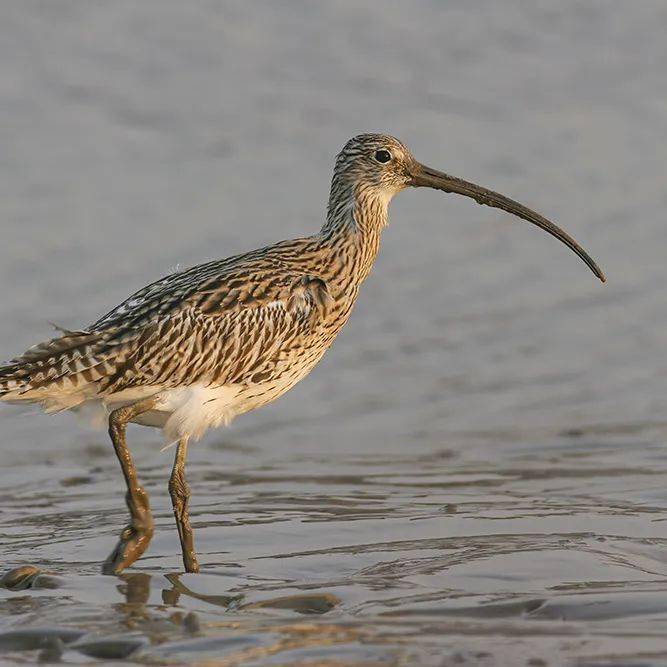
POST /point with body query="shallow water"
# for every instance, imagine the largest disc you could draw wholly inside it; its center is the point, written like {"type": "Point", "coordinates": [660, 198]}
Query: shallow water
{"type": "Point", "coordinates": [475, 474]}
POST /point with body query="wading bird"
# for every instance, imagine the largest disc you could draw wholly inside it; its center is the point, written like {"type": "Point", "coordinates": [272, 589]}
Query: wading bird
{"type": "Point", "coordinates": [195, 349]}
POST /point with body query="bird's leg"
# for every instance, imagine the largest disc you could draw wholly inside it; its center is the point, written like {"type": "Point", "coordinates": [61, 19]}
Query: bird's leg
{"type": "Point", "coordinates": [135, 537]}
{"type": "Point", "coordinates": [180, 497]}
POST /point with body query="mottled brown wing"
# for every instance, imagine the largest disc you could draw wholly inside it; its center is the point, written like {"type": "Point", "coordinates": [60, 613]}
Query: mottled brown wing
{"type": "Point", "coordinates": [229, 330]}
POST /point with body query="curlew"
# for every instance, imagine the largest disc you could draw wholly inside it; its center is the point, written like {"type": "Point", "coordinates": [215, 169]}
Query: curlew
{"type": "Point", "coordinates": [199, 347]}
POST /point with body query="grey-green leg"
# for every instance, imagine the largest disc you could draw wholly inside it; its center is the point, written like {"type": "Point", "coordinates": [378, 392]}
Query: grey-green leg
{"type": "Point", "coordinates": [180, 497]}
{"type": "Point", "coordinates": [135, 537]}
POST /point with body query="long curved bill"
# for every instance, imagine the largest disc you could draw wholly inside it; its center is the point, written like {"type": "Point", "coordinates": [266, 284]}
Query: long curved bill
{"type": "Point", "coordinates": [426, 177]}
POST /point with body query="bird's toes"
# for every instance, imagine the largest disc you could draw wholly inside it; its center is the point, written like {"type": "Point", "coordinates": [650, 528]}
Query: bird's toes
{"type": "Point", "coordinates": [134, 540]}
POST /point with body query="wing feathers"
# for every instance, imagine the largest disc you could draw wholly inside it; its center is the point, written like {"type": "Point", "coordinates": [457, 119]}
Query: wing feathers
{"type": "Point", "coordinates": [225, 336]}
{"type": "Point", "coordinates": [225, 324]}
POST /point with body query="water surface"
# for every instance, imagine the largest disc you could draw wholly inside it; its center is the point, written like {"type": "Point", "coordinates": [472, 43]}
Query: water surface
{"type": "Point", "coordinates": [475, 474]}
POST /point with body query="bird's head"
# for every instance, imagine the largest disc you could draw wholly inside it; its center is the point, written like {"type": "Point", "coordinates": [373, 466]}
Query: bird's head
{"type": "Point", "coordinates": [380, 165]}
{"type": "Point", "coordinates": [375, 162]}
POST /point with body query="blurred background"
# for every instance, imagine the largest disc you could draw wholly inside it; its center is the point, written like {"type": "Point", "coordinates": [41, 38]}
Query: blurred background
{"type": "Point", "coordinates": [489, 428]}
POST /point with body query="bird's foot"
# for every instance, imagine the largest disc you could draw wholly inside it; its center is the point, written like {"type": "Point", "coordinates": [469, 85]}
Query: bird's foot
{"type": "Point", "coordinates": [134, 538]}
{"type": "Point", "coordinates": [190, 561]}
{"type": "Point", "coordinates": [132, 543]}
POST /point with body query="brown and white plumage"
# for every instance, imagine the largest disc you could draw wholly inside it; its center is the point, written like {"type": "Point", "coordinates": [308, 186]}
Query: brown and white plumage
{"type": "Point", "coordinates": [234, 334]}
{"type": "Point", "coordinates": [197, 348]}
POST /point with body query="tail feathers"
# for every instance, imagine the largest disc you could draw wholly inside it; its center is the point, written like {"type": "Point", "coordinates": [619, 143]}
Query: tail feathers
{"type": "Point", "coordinates": [70, 341]}
{"type": "Point", "coordinates": [59, 366]}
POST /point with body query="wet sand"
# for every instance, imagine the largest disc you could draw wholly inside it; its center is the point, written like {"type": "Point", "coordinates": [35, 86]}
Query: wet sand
{"type": "Point", "coordinates": [476, 473]}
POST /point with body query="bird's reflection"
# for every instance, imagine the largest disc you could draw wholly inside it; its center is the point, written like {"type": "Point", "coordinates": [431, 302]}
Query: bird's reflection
{"type": "Point", "coordinates": [136, 613]}
{"type": "Point", "coordinates": [172, 595]}
{"type": "Point", "coordinates": [136, 589]}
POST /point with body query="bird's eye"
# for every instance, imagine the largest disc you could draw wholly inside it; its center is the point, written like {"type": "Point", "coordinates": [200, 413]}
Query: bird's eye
{"type": "Point", "coordinates": [382, 156]}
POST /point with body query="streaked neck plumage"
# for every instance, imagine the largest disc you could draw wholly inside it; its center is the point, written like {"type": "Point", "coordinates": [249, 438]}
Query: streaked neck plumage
{"type": "Point", "coordinates": [356, 215]}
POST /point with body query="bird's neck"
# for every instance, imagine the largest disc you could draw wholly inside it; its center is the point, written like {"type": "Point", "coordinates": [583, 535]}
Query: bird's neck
{"type": "Point", "coordinates": [356, 216]}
